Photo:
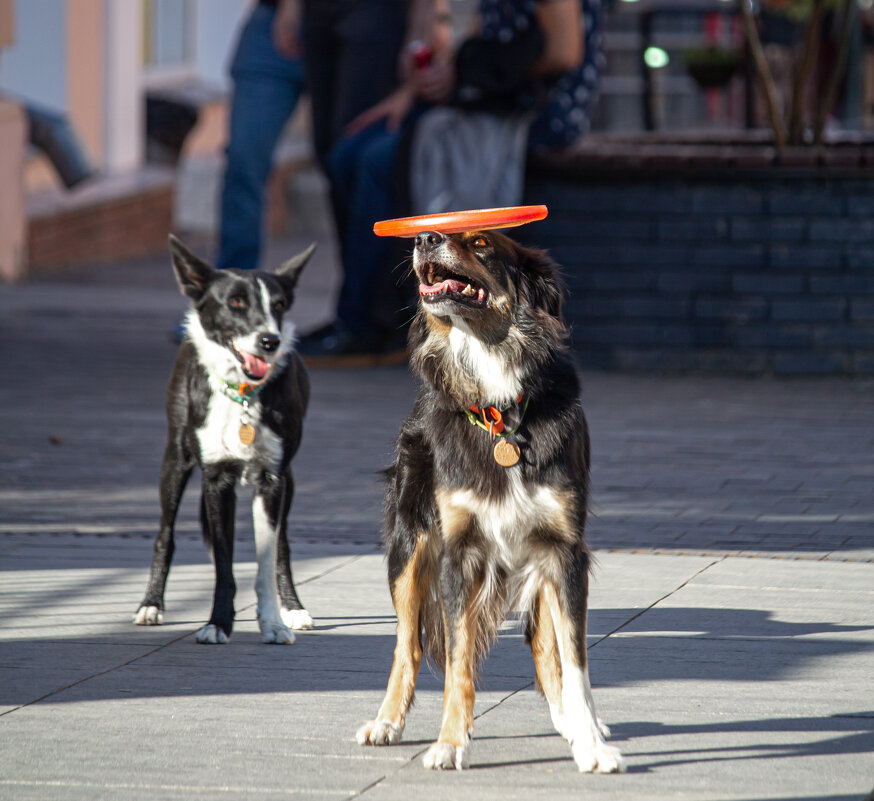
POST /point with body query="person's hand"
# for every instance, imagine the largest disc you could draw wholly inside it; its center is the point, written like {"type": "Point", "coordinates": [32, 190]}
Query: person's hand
{"type": "Point", "coordinates": [436, 82]}
{"type": "Point", "coordinates": [286, 29]}
{"type": "Point", "coordinates": [392, 109]}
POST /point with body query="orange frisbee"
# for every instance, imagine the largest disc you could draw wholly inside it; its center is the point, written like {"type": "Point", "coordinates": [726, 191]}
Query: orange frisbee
{"type": "Point", "coordinates": [454, 222]}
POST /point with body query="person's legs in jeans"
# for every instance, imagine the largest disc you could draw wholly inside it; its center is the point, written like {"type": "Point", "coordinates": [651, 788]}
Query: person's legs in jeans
{"type": "Point", "coordinates": [371, 199]}
{"type": "Point", "coordinates": [352, 51]}
{"type": "Point", "coordinates": [351, 54]}
{"type": "Point", "coordinates": [266, 90]}
{"type": "Point", "coordinates": [361, 168]}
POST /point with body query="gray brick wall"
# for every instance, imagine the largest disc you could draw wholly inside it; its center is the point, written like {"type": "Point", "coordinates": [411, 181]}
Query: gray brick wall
{"type": "Point", "coordinates": [774, 275]}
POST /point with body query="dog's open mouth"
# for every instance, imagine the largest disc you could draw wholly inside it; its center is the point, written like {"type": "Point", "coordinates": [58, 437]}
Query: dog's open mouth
{"type": "Point", "coordinates": [253, 366]}
{"type": "Point", "coordinates": [439, 284]}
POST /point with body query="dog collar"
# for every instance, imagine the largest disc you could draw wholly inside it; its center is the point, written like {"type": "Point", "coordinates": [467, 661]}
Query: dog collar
{"type": "Point", "coordinates": [506, 450]}
{"type": "Point", "coordinates": [495, 425]}
{"type": "Point", "coordinates": [241, 393]}
{"type": "Point", "coordinates": [493, 418]}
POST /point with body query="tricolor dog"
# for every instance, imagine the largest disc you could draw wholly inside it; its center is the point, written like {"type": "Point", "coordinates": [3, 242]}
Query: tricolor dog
{"type": "Point", "coordinates": [486, 499]}
{"type": "Point", "coordinates": [235, 407]}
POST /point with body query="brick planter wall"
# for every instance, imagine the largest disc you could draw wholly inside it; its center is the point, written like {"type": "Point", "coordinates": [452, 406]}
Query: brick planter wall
{"type": "Point", "coordinates": [713, 266]}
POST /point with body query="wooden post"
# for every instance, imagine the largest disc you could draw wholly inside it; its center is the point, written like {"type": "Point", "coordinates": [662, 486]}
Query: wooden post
{"type": "Point", "coordinates": [764, 73]}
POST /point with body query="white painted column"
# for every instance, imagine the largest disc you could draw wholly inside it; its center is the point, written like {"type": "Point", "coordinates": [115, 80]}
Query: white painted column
{"type": "Point", "coordinates": [123, 125]}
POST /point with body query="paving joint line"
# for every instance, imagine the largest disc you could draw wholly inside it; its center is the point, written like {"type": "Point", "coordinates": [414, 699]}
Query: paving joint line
{"type": "Point", "coordinates": [657, 601]}
{"type": "Point", "coordinates": [98, 674]}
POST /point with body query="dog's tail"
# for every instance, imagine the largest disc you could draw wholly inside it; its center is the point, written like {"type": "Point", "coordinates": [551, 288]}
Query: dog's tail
{"type": "Point", "coordinates": [484, 608]}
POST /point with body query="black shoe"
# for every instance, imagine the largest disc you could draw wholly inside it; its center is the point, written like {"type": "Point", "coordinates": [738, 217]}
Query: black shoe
{"type": "Point", "coordinates": [335, 345]}
{"type": "Point", "coordinates": [320, 333]}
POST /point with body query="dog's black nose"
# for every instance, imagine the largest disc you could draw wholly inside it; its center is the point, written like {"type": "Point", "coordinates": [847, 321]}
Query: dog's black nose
{"type": "Point", "coordinates": [269, 342]}
{"type": "Point", "coordinates": [429, 239]}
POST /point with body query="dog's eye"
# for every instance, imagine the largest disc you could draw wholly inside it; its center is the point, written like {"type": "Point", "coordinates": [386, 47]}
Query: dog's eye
{"type": "Point", "coordinates": [279, 306]}
{"type": "Point", "coordinates": [237, 302]}
{"type": "Point", "coordinates": [480, 242]}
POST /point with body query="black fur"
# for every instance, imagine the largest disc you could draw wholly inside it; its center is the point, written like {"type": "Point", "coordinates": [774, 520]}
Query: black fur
{"type": "Point", "coordinates": [465, 537]}
{"type": "Point", "coordinates": [229, 307]}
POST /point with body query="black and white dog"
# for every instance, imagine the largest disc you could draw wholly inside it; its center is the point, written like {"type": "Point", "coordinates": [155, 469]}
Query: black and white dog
{"type": "Point", "coordinates": [235, 407]}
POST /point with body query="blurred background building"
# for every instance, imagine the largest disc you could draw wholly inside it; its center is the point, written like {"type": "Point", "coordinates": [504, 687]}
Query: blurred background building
{"type": "Point", "coordinates": [124, 102]}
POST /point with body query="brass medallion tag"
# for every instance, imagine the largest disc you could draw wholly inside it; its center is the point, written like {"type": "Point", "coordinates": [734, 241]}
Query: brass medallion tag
{"type": "Point", "coordinates": [506, 452]}
{"type": "Point", "coordinates": [247, 433]}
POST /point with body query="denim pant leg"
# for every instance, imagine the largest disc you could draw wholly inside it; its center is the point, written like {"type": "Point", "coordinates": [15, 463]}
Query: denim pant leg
{"type": "Point", "coordinates": [266, 90]}
{"type": "Point", "coordinates": [362, 169]}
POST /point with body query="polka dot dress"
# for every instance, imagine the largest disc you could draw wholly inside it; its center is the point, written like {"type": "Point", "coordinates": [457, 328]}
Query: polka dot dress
{"type": "Point", "coordinates": [564, 116]}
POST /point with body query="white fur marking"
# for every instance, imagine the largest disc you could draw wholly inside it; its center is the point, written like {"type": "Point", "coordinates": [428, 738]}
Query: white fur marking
{"type": "Point", "coordinates": [216, 359]}
{"type": "Point", "coordinates": [445, 756]}
{"type": "Point", "coordinates": [148, 616]}
{"type": "Point", "coordinates": [379, 732]}
{"type": "Point", "coordinates": [579, 723]}
{"type": "Point", "coordinates": [211, 635]}
{"type": "Point", "coordinates": [498, 379]}
{"type": "Point", "coordinates": [506, 523]}
{"type": "Point", "coordinates": [272, 327]}
{"type": "Point", "coordinates": [273, 630]}
{"type": "Point", "coordinates": [219, 437]}
{"type": "Point", "coordinates": [297, 619]}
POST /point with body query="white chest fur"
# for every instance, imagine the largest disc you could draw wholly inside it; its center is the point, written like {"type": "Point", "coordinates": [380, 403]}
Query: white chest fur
{"type": "Point", "coordinates": [509, 525]}
{"type": "Point", "coordinates": [507, 522]}
{"type": "Point", "coordinates": [498, 379]}
{"type": "Point", "coordinates": [219, 437]}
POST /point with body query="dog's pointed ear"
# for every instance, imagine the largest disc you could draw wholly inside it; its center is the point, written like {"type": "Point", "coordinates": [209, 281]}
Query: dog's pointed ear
{"type": "Point", "coordinates": [290, 271]}
{"type": "Point", "coordinates": [192, 273]}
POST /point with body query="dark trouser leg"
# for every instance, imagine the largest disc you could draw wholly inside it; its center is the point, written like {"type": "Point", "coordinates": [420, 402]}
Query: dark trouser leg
{"type": "Point", "coordinates": [266, 90]}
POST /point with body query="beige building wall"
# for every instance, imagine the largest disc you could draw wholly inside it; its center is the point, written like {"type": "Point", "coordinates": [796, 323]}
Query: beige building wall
{"type": "Point", "coordinates": [85, 70]}
{"type": "Point", "coordinates": [6, 23]}
{"type": "Point", "coordinates": [13, 132]}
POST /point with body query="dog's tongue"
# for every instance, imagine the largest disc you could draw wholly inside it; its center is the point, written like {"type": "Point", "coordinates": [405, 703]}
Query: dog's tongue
{"type": "Point", "coordinates": [254, 365]}
{"type": "Point", "coordinates": [448, 285]}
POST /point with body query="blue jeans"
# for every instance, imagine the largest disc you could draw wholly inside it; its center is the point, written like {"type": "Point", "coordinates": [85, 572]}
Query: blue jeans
{"type": "Point", "coordinates": [362, 173]}
{"type": "Point", "coordinates": [266, 90]}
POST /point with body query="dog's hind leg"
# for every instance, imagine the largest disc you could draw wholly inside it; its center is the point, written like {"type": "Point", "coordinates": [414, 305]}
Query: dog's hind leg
{"type": "Point", "coordinates": [175, 472]}
{"type": "Point", "coordinates": [547, 660]}
{"type": "Point", "coordinates": [579, 723]}
{"type": "Point", "coordinates": [291, 609]}
{"type": "Point", "coordinates": [407, 591]}
{"type": "Point", "coordinates": [217, 510]}
{"type": "Point", "coordinates": [267, 509]}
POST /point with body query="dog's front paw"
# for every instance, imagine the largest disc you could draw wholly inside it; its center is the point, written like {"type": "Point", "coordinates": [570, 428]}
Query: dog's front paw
{"type": "Point", "coordinates": [149, 616]}
{"type": "Point", "coordinates": [446, 756]}
{"type": "Point", "coordinates": [597, 757]}
{"type": "Point", "coordinates": [379, 732]}
{"type": "Point", "coordinates": [297, 619]}
{"type": "Point", "coordinates": [272, 631]}
{"type": "Point", "coordinates": [211, 634]}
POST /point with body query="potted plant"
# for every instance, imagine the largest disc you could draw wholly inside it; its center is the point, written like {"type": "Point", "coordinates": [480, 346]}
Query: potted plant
{"type": "Point", "coordinates": [711, 66]}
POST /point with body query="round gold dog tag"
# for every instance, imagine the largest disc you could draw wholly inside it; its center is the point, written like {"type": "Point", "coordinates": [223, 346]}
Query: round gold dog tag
{"type": "Point", "coordinates": [247, 433]}
{"type": "Point", "coordinates": [506, 452]}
